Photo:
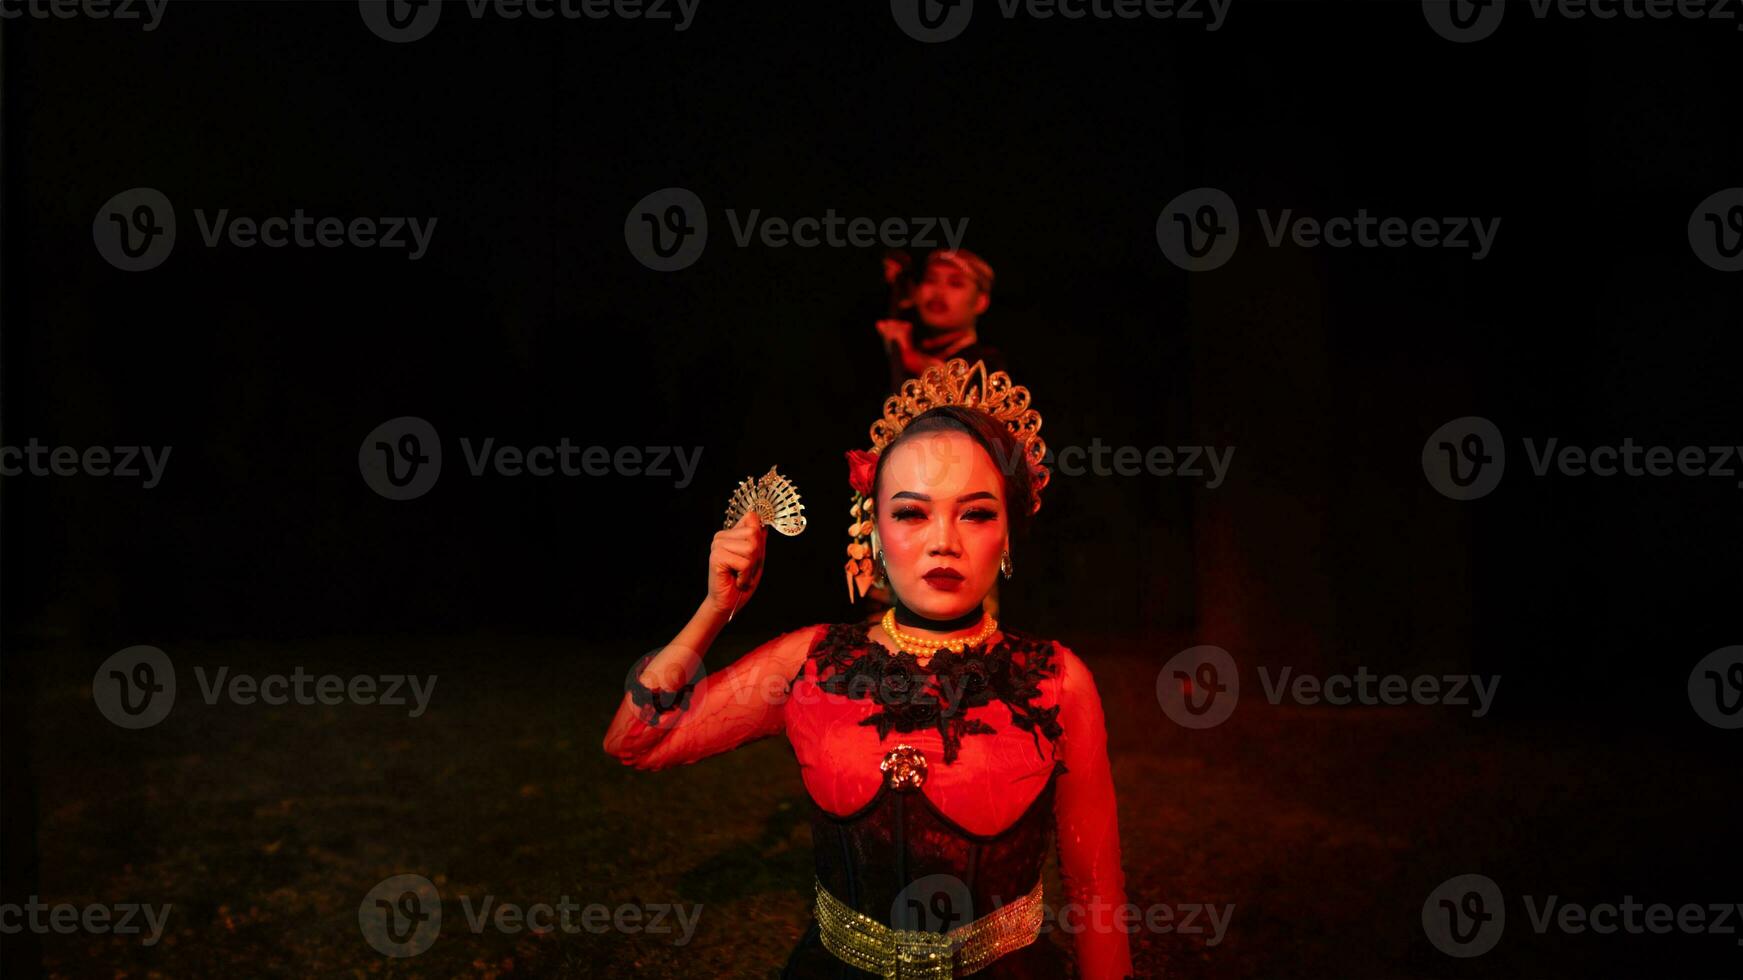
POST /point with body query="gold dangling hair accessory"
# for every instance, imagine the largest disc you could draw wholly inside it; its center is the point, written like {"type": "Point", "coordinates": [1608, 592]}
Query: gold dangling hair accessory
{"type": "Point", "coordinates": [955, 382]}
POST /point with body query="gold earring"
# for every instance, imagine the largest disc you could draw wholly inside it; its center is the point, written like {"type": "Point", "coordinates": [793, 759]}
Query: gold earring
{"type": "Point", "coordinates": [1005, 564]}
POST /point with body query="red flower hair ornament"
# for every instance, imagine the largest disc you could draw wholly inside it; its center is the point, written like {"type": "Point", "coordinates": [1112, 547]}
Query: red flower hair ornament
{"type": "Point", "coordinates": [861, 467]}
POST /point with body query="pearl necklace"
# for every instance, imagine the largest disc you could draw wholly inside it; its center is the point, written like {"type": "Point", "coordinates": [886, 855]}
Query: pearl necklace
{"type": "Point", "coordinates": [923, 649]}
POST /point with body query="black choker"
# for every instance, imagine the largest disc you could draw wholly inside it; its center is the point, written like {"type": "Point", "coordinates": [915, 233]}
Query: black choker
{"type": "Point", "coordinates": [908, 617]}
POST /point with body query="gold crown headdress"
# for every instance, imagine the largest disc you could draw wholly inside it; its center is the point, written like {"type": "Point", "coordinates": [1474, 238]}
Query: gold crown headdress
{"type": "Point", "coordinates": [955, 382]}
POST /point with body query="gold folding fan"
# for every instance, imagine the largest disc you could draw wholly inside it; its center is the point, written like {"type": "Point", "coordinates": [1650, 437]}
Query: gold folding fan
{"type": "Point", "coordinates": [775, 500]}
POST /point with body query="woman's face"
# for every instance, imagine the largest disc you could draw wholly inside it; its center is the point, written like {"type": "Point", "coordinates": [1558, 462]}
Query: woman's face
{"type": "Point", "coordinates": [941, 523]}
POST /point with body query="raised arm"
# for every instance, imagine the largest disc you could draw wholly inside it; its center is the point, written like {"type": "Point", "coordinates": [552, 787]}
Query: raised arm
{"type": "Point", "coordinates": [1089, 830]}
{"type": "Point", "coordinates": [669, 716]}
{"type": "Point", "coordinates": [724, 710]}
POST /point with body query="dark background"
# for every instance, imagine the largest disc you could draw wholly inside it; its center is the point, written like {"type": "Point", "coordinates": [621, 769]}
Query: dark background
{"type": "Point", "coordinates": [529, 320]}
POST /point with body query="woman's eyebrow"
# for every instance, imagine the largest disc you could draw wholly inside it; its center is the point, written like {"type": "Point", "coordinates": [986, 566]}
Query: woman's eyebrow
{"type": "Point", "coordinates": [915, 495]}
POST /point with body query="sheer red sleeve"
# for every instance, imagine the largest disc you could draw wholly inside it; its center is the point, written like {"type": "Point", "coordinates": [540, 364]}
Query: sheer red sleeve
{"type": "Point", "coordinates": [1089, 831]}
{"type": "Point", "coordinates": [742, 703]}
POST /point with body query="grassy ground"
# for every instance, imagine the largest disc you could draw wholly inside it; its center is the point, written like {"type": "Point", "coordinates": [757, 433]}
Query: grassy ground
{"type": "Point", "coordinates": [1325, 828]}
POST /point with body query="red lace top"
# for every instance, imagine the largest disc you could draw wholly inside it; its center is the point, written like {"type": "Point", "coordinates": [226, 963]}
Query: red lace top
{"type": "Point", "coordinates": [1022, 710]}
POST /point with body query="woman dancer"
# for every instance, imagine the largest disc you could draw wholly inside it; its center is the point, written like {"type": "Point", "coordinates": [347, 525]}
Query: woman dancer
{"type": "Point", "coordinates": [939, 750]}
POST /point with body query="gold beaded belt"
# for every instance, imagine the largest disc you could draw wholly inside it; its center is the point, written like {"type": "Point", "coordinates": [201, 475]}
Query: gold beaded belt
{"type": "Point", "coordinates": [905, 954]}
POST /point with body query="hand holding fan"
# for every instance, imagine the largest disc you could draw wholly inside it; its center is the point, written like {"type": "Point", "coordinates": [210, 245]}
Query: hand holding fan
{"type": "Point", "coordinates": [775, 501]}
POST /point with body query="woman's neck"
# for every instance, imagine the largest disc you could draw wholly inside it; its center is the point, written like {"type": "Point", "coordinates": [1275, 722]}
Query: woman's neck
{"type": "Point", "coordinates": [912, 620]}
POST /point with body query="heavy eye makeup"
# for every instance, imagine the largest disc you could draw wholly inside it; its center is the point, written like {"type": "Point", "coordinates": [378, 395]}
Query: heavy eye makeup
{"type": "Point", "coordinates": [978, 515]}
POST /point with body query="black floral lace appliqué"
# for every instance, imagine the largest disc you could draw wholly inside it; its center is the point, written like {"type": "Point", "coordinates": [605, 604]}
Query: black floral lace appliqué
{"type": "Point", "coordinates": [653, 701]}
{"type": "Point", "coordinates": [939, 695]}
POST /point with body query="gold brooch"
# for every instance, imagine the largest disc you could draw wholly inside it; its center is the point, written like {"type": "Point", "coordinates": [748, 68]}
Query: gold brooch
{"type": "Point", "coordinates": [904, 767]}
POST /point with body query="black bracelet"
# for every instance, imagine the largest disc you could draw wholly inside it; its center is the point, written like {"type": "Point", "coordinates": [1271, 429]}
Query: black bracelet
{"type": "Point", "coordinates": [656, 702]}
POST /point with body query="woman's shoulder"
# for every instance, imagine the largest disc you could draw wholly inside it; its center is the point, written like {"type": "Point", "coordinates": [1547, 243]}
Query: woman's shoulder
{"type": "Point", "coordinates": [821, 638]}
{"type": "Point", "coordinates": [1022, 639]}
{"type": "Point", "coordinates": [820, 644]}
{"type": "Point", "coordinates": [1051, 656]}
